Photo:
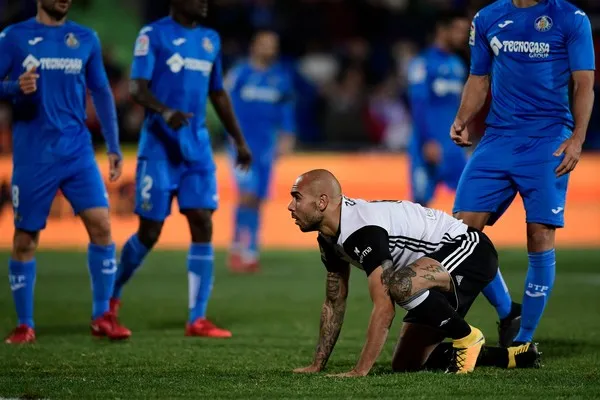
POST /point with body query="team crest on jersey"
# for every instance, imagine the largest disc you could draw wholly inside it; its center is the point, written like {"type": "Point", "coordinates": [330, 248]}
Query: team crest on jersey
{"type": "Point", "coordinates": [543, 23]}
{"type": "Point", "coordinates": [207, 45]}
{"type": "Point", "coordinates": [71, 40]}
{"type": "Point", "coordinates": [142, 46]}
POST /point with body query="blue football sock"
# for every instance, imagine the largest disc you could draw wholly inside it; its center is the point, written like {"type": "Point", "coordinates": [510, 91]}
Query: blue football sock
{"type": "Point", "coordinates": [538, 286]}
{"type": "Point", "coordinates": [102, 265]}
{"type": "Point", "coordinates": [200, 278]}
{"type": "Point", "coordinates": [21, 276]}
{"type": "Point", "coordinates": [253, 225]}
{"type": "Point", "coordinates": [132, 255]}
{"type": "Point", "coordinates": [497, 294]}
{"type": "Point", "coordinates": [241, 228]}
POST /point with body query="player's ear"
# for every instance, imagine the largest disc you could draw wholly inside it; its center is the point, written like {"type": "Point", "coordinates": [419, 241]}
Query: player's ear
{"type": "Point", "coordinates": [323, 202]}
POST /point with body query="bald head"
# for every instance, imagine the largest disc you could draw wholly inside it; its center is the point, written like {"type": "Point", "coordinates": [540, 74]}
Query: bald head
{"type": "Point", "coordinates": [320, 182]}
{"type": "Point", "coordinates": [316, 197]}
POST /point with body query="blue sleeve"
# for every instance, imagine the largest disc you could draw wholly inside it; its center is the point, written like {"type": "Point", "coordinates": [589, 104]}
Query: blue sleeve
{"type": "Point", "coordinates": [580, 44]}
{"type": "Point", "coordinates": [104, 102]}
{"type": "Point", "coordinates": [419, 96]}
{"type": "Point", "coordinates": [232, 80]}
{"type": "Point", "coordinates": [8, 89]}
{"type": "Point", "coordinates": [288, 110]}
{"type": "Point", "coordinates": [216, 75]}
{"type": "Point", "coordinates": [144, 55]}
{"type": "Point", "coordinates": [481, 55]}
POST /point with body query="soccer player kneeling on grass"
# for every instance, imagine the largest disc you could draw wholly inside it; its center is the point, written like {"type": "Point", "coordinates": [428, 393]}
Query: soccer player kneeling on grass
{"type": "Point", "coordinates": [424, 260]}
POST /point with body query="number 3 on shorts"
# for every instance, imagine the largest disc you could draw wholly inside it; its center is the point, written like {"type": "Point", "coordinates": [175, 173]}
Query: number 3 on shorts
{"type": "Point", "coordinates": [147, 183]}
{"type": "Point", "coordinates": [15, 196]}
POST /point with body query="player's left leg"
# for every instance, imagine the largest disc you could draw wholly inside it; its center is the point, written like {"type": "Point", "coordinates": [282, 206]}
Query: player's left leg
{"type": "Point", "coordinates": [197, 199]}
{"type": "Point", "coordinates": [84, 189]}
{"type": "Point", "coordinates": [246, 219]}
{"type": "Point", "coordinates": [544, 197]}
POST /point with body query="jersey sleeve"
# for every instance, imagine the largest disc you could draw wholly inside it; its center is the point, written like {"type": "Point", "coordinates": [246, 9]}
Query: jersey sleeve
{"type": "Point", "coordinates": [369, 245]}
{"type": "Point", "coordinates": [329, 258]}
{"type": "Point", "coordinates": [216, 75]}
{"type": "Point", "coordinates": [580, 44]}
{"type": "Point", "coordinates": [232, 81]}
{"type": "Point", "coordinates": [6, 51]}
{"type": "Point", "coordinates": [8, 89]}
{"type": "Point", "coordinates": [95, 74]}
{"type": "Point", "coordinates": [144, 55]}
{"type": "Point", "coordinates": [104, 101]}
{"type": "Point", "coordinates": [481, 54]}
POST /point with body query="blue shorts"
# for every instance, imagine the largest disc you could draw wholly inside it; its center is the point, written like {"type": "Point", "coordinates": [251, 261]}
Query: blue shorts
{"type": "Point", "coordinates": [34, 188]}
{"type": "Point", "coordinates": [503, 166]}
{"type": "Point", "coordinates": [256, 180]}
{"type": "Point", "coordinates": [158, 181]}
{"type": "Point", "coordinates": [425, 178]}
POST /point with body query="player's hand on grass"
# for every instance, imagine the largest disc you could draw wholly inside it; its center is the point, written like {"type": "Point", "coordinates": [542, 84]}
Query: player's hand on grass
{"type": "Point", "coordinates": [115, 165]}
{"type": "Point", "coordinates": [432, 152]}
{"type": "Point", "coordinates": [244, 156]}
{"type": "Point", "coordinates": [176, 119]}
{"type": "Point", "coordinates": [460, 134]}
{"type": "Point", "coordinates": [311, 369]}
{"type": "Point", "coordinates": [28, 81]}
{"type": "Point", "coordinates": [350, 374]}
{"type": "Point", "coordinates": [571, 148]}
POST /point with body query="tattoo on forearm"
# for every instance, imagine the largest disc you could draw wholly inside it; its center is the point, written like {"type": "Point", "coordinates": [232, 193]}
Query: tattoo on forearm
{"type": "Point", "coordinates": [399, 283]}
{"type": "Point", "coordinates": [432, 268]}
{"type": "Point", "coordinates": [332, 317]}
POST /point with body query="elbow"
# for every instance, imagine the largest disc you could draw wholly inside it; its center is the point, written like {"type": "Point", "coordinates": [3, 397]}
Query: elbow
{"type": "Point", "coordinates": [135, 91]}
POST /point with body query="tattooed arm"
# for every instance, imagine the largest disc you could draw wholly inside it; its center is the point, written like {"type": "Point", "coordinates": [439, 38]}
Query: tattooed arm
{"type": "Point", "coordinates": [332, 317]}
{"type": "Point", "coordinates": [382, 317]}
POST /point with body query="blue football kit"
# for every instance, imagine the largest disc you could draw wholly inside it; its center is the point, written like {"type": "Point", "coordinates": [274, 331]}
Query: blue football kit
{"type": "Point", "coordinates": [52, 148]}
{"type": "Point", "coordinates": [530, 54]}
{"type": "Point", "coordinates": [436, 79]}
{"type": "Point", "coordinates": [183, 66]}
{"type": "Point", "coordinates": [263, 100]}
{"type": "Point", "coordinates": [264, 105]}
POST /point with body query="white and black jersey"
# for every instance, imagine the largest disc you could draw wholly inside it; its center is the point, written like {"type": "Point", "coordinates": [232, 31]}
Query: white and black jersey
{"type": "Point", "coordinates": [371, 232]}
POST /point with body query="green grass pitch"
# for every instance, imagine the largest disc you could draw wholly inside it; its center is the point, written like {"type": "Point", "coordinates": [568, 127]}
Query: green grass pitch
{"type": "Point", "coordinates": [274, 317]}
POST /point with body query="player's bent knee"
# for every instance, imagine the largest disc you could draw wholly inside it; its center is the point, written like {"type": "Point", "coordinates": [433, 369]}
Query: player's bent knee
{"type": "Point", "coordinates": [97, 224]}
{"type": "Point", "coordinates": [24, 245]}
{"type": "Point", "coordinates": [249, 201]}
{"type": "Point", "coordinates": [149, 232]}
{"type": "Point", "coordinates": [201, 225]}
{"type": "Point", "coordinates": [540, 237]}
{"type": "Point", "coordinates": [475, 220]}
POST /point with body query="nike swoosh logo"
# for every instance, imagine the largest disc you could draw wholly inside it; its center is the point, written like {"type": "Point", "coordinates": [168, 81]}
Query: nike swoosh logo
{"type": "Point", "coordinates": [505, 24]}
{"type": "Point", "coordinates": [535, 294]}
{"type": "Point", "coordinates": [16, 287]}
{"type": "Point", "coordinates": [35, 41]}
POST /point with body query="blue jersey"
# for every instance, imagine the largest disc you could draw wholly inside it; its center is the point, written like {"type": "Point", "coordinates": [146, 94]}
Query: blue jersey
{"type": "Point", "coordinates": [436, 79]}
{"type": "Point", "coordinates": [264, 104]}
{"type": "Point", "coordinates": [49, 125]}
{"type": "Point", "coordinates": [530, 54]}
{"type": "Point", "coordinates": [183, 66]}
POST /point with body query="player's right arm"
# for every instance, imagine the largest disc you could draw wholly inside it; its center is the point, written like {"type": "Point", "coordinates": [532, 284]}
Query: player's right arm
{"type": "Point", "coordinates": [333, 310]}
{"type": "Point", "coordinates": [141, 74]}
{"type": "Point", "coordinates": [476, 88]}
{"type": "Point", "coordinates": [27, 82]}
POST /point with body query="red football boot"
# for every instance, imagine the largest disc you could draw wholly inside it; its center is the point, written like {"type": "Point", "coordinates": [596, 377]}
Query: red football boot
{"type": "Point", "coordinates": [205, 328]}
{"type": "Point", "coordinates": [22, 334]}
{"type": "Point", "coordinates": [107, 325]}
{"type": "Point", "coordinates": [115, 305]}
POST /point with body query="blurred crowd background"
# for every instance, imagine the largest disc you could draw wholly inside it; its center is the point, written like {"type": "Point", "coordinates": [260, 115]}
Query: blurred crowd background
{"type": "Point", "coordinates": [348, 59]}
